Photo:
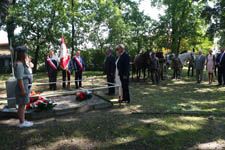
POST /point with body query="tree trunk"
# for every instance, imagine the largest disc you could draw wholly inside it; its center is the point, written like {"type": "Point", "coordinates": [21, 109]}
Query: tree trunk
{"type": "Point", "coordinates": [73, 30]}
{"type": "Point", "coordinates": [36, 57]}
{"type": "Point", "coordinates": [178, 46]}
{"type": "Point", "coordinates": [37, 52]}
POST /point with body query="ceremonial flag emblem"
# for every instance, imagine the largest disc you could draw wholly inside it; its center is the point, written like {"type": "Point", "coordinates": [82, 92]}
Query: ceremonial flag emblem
{"type": "Point", "coordinates": [64, 57]}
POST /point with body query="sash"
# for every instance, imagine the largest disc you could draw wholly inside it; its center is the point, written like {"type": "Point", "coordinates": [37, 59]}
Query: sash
{"type": "Point", "coordinates": [51, 63]}
{"type": "Point", "coordinates": [78, 62]}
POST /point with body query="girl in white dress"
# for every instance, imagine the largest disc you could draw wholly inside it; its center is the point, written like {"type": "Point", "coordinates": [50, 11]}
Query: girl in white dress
{"type": "Point", "coordinates": [117, 78]}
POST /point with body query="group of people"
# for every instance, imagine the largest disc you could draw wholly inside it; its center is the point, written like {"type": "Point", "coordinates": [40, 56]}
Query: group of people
{"type": "Point", "coordinates": [117, 71]}
{"type": "Point", "coordinates": [211, 62]}
{"type": "Point", "coordinates": [52, 66]}
{"type": "Point", "coordinates": [23, 75]}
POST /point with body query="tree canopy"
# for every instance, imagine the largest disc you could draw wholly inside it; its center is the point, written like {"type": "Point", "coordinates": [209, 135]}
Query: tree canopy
{"type": "Point", "coordinates": [95, 25]}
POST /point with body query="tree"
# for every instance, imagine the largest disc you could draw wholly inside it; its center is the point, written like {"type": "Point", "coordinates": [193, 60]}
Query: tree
{"type": "Point", "coordinates": [215, 17]}
{"type": "Point", "coordinates": [182, 22]}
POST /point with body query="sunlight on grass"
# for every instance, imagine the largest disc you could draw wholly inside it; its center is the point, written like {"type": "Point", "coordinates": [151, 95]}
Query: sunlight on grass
{"type": "Point", "coordinates": [218, 145]}
{"type": "Point", "coordinates": [31, 131]}
{"type": "Point", "coordinates": [205, 90]}
{"type": "Point", "coordinates": [122, 140]}
{"type": "Point", "coordinates": [186, 123]}
{"type": "Point", "coordinates": [207, 102]}
{"type": "Point", "coordinates": [163, 132]}
{"type": "Point", "coordinates": [153, 121]}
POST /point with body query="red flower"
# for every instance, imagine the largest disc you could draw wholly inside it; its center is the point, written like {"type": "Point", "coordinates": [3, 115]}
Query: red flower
{"type": "Point", "coordinates": [81, 96]}
{"type": "Point", "coordinates": [27, 106]}
{"type": "Point", "coordinates": [31, 99]}
{"type": "Point", "coordinates": [45, 101]}
{"type": "Point", "coordinates": [85, 93]}
{"type": "Point", "coordinates": [77, 94]}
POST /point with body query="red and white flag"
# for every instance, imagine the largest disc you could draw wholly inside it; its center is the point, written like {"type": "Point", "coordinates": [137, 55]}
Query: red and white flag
{"type": "Point", "coordinates": [64, 57]}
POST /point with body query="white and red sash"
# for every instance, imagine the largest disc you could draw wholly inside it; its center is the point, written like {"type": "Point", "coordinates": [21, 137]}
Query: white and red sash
{"type": "Point", "coordinates": [79, 63]}
{"type": "Point", "coordinates": [51, 63]}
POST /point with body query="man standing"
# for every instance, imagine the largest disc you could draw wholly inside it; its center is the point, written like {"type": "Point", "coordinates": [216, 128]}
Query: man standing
{"type": "Point", "coordinates": [109, 70]}
{"type": "Point", "coordinates": [78, 64]}
{"type": "Point", "coordinates": [199, 66]}
{"type": "Point", "coordinates": [154, 68]}
{"type": "Point", "coordinates": [123, 68]}
{"type": "Point", "coordinates": [51, 69]}
{"type": "Point", "coordinates": [220, 61]}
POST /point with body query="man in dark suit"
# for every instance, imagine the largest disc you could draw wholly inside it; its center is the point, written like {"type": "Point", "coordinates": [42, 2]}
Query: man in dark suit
{"type": "Point", "coordinates": [220, 62]}
{"type": "Point", "coordinates": [123, 68]}
{"type": "Point", "coordinates": [79, 67]}
{"type": "Point", "coordinates": [109, 70]}
{"type": "Point", "coordinates": [51, 69]}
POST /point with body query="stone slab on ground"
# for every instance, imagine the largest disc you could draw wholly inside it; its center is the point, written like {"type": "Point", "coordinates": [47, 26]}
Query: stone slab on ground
{"type": "Point", "coordinates": [65, 105]}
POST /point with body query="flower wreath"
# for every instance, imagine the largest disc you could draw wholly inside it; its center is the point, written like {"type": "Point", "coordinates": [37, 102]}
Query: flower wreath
{"type": "Point", "coordinates": [39, 102]}
{"type": "Point", "coordinates": [83, 95]}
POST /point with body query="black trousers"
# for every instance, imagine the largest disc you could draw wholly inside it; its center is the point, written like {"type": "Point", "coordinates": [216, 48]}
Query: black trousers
{"type": "Point", "coordinates": [52, 78]}
{"type": "Point", "coordinates": [78, 76]}
{"type": "Point", "coordinates": [221, 75]}
{"type": "Point", "coordinates": [176, 73]}
{"type": "Point", "coordinates": [65, 76]}
{"type": "Point", "coordinates": [155, 76]}
{"type": "Point", "coordinates": [191, 68]}
{"type": "Point", "coordinates": [111, 79]}
{"type": "Point", "coordinates": [125, 86]}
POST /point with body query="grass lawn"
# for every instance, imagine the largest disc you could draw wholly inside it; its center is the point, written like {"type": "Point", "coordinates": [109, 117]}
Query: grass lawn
{"type": "Point", "coordinates": [174, 115]}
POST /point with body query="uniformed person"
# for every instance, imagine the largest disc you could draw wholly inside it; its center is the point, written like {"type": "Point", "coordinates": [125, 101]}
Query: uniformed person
{"type": "Point", "coordinates": [51, 67]}
{"type": "Point", "coordinates": [79, 67]}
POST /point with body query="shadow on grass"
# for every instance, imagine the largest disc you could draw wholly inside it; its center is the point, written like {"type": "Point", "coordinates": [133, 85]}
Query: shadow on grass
{"type": "Point", "coordinates": [121, 129]}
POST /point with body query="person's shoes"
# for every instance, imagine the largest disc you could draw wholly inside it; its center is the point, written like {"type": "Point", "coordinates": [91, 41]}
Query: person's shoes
{"type": "Point", "coordinates": [26, 124]}
{"type": "Point", "coordinates": [125, 101]}
{"type": "Point", "coordinates": [219, 84]}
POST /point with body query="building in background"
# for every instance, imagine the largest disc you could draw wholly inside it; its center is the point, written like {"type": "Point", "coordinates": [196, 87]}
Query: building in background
{"type": "Point", "coordinates": [5, 58]}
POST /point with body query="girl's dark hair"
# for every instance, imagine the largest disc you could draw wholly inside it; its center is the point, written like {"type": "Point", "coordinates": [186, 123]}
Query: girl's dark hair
{"type": "Point", "coordinates": [21, 57]}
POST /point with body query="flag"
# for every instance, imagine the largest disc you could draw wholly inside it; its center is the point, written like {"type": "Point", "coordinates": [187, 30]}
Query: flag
{"type": "Point", "coordinates": [64, 57]}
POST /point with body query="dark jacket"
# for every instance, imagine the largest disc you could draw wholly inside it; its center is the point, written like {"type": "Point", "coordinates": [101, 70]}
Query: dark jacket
{"type": "Point", "coordinates": [110, 66]}
{"type": "Point", "coordinates": [222, 62]}
{"type": "Point", "coordinates": [77, 66]}
{"type": "Point", "coordinates": [49, 67]}
{"type": "Point", "coordinates": [123, 65]}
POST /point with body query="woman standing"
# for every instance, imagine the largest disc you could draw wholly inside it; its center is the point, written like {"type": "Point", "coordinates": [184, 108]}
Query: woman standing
{"type": "Point", "coordinates": [210, 65]}
{"type": "Point", "coordinates": [117, 78]}
{"type": "Point", "coordinates": [22, 89]}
